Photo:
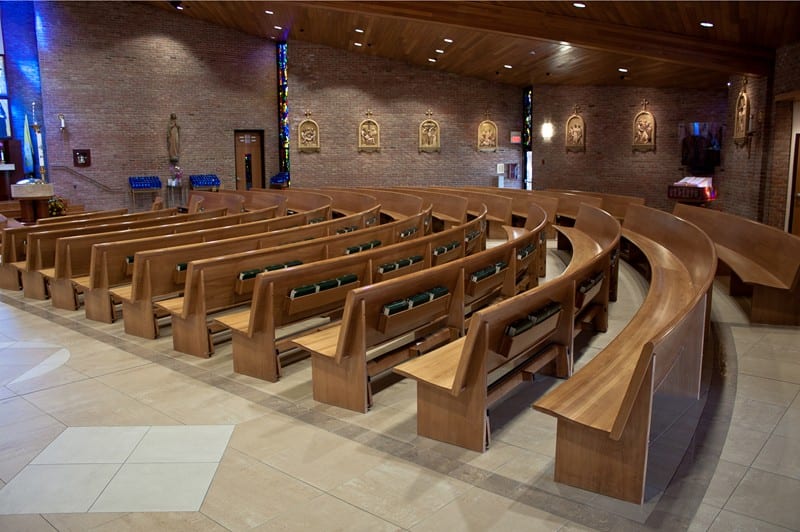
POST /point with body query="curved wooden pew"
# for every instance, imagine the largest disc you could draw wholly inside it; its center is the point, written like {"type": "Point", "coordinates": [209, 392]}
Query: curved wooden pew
{"type": "Point", "coordinates": [606, 410]}
{"type": "Point", "coordinates": [14, 240]}
{"type": "Point", "coordinates": [40, 252]}
{"type": "Point", "coordinates": [72, 256]}
{"type": "Point", "coordinates": [614, 204]}
{"type": "Point", "coordinates": [508, 342]}
{"type": "Point", "coordinates": [262, 332]}
{"type": "Point", "coordinates": [394, 205]}
{"type": "Point", "coordinates": [389, 322]}
{"type": "Point", "coordinates": [230, 201]}
{"type": "Point", "coordinates": [154, 274]}
{"type": "Point", "coordinates": [81, 216]}
{"type": "Point", "coordinates": [259, 199]}
{"type": "Point", "coordinates": [347, 201]}
{"type": "Point", "coordinates": [764, 262]}
{"type": "Point", "coordinates": [214, 284]}
{"type": "Point", "coordinates": [448, 210]}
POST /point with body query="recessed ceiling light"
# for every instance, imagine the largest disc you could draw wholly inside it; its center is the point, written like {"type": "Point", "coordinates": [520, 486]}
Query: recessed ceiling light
{"type": "Point", "coordinates": [359, 30]}
{"type": "Point", "coordinates": [439, 51]}
{"type": "Point", "coordinates": [729, 84]}
{"type": "Point", "coordinates": [357, 44]}
{"type": "Point", "coordinates": [507, 66]}
{"type": "Point", "coordinates": [579, 5]}
{"type": "Point", "coordinates": [707, 24]}
{"type": "Point", "coordinates": [278, 27]}
{"type": "Point", "coordinates": [448, 41]}
{"type": "Point", "coordinates": [268, 12]}
{"type": "Point", "coordinates": [623, 70]}
{"type": "Point", "coordinates": [533, 52]}
{"type": "Point", "coordinates": [431, 60]}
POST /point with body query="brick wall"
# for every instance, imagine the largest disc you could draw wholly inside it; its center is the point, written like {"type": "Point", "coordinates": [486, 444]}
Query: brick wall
{"type": "Point", "coordinates": [338, 88]}
{"type": "Point", "coordinates": [116, 73]}
{"type": "Point", "coordinates": [609, 163]}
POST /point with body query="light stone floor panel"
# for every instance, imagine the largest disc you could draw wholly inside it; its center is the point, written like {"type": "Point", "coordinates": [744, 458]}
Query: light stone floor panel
{"type": "Point", "coordinates": [100, 430]}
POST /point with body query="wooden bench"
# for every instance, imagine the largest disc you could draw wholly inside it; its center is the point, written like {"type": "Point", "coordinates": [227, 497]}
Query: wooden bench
{"type": "Point", "coordinates": [347, 201]}
{"type": "Point", "coordinates": [231, 201]}
{"type": "Point", "coordinates": [389, 322]}
{"type": "Point", "coordinates": [72, 256]}
{"type": "Point", "coordinates": [14, 240]}
{"type": "Point", "coordinates": [646, 377]}
{"type": "Point", "coordinates": [216, 283]}
{"type": "Point", "coordinates": [112, 263]}
{"type": "Point", "coordinates": [258, 199]}
{"type": "Point", "coordinates": [40, 247]}
{"type": "Point", "coordinates": [81, 216]}
{"type": "Point", "coordinates": [395, 205]}
{"type": "Point", "coordinates": [614, 204]}
{"type": "Point", "coordinates": [300, 200]}
{"type": "Point", "coordinates": [261, 332]}
{"type": "Point", "coordinates": [458, 383]}
{"type": "Point", "coordinates": [763, 262]}
{"type": "Point", "coordinates": [499, 207]}
{"type": "Point", "coordinates": [154, 270]}
{"type": "Point", "coordinates": [448, 210]}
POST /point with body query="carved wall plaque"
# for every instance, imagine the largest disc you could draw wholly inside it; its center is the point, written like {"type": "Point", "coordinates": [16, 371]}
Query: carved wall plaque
{"type": "Point", "coordinates": [487, 136]}
{"type": "Point", "coordinates": [369, 134]}
{"type": "Point", "coordinates": [429, 134]}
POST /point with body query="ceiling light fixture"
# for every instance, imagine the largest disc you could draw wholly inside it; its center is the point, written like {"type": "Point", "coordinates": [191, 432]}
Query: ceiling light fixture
{"type": "Point", "coordinates": [623, 70]}
{"type": "Point", "coordinates": [707, 24]}
{"type": "Point", "coordinates": [431, 60]}
{"type": "Point", "coordinates": [359, 30]}
{"type": "Point", "coordinates": [564, 43]}
{"type": "Point", "coordinates": [177, 5]}
{"type": "Point", "coordinates": [357, 44]}
{"type": "Point", "coordinates": [268, 12]}
{"type": "Point", "coordinates": [278, 27]}
{"type": "Point", "coordinates": [448, 41]}
{"type": "Point", "coordinates": [579, 5]}
{"type": "Point", "coordinates": [507, 66]}
{"type": "Point", "coordinates": [439, 51]}
{"type": "Point", "coordinates": [533, 52]}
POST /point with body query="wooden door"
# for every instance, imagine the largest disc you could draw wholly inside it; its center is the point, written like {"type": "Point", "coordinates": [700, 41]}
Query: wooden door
{"type": "Point", "coordinates": [795, 203]}
{"type": "Point", "coordinates": [249, 148]}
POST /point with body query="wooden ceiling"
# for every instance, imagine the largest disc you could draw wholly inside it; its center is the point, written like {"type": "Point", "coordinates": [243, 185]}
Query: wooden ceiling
{"type": "Point", "coordinates": [661, 44]}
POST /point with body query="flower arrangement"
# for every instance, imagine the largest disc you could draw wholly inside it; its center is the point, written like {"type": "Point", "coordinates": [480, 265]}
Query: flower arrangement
{"type": "Point", "coordinates": [56, 206]}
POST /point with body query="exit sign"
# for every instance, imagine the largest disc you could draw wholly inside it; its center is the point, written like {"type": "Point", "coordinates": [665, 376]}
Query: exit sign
{"type": "Point", "coordinates": [516, 137]}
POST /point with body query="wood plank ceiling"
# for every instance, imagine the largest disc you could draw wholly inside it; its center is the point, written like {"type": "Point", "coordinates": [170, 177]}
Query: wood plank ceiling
{"type": "Point", "coordinates": [658, 44]}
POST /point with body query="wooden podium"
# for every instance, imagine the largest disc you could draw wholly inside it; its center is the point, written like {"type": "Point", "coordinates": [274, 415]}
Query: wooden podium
{"type": "Point", "coordinates": [33, 199]}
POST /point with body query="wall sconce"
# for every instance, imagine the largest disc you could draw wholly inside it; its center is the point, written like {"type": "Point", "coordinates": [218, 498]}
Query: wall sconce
{"type": "Point", "coordinates": [62, 124]}
{"type": "Point", "coordinates": [547, 131]}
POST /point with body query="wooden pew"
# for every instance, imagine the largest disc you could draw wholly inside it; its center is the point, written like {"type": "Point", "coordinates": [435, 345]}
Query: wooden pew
{"type": "Point", "coordinates": [261, 332]}
{"type": "Point", "coordinates": [394, 205]}
{"type": "Point", "coordinates": [347, 201]}
{"type": "Point", "coordinates": [448, 210]}
{"type": "Point", "coordinates": [231, 201]}
{"type": "Point", "coordinates": [72, 256]}
{"type": "Point", "coordinates": [14, 240]}
{"type": "Point", "coordinates": [458, 383]}
{"type": "Point", "coordinates": [499, 207]}
{"type": "Point", "coordinates": [648, 376]}
{"type": "Point", "coordinates": [380, 328]}
{"type": "Point", "coordinates": [154, 270]}
{"type": "Point", "coordinates": [614, 204]}
{"type": "Point", "coordinates": [257, 199]}
{"type": "Point", "coordinates": [81, 216]}
{"type": "Point", "coordinates": [300, 200]}
{"type": "Point", "coordinates": [215, 284]}
{"type": "Point", "coordinates": [763, 262]}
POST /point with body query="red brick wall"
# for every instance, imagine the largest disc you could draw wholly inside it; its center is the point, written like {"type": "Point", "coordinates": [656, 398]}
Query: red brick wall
{"type": "Point", "coordinates": [117, 72]}
{"type": "Point", "coordinates": [609, 163]}
{"type": "Point", "coordinates": [338, 88]}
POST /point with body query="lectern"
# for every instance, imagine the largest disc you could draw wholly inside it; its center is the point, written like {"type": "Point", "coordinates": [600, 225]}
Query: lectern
{"type": "Point", "coordinates": [33, 198]}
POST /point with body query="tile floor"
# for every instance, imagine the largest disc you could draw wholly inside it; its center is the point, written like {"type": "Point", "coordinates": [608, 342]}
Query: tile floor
{"type": "Point", "coordinates": [103, 431]}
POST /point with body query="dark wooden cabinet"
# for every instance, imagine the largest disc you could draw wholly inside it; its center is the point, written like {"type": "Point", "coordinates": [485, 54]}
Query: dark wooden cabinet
{"type": "Point", "coordinates": [12, 153]}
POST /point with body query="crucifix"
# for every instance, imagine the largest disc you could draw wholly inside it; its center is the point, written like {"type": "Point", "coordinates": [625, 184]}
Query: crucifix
{"type": "Point", "coordinates": [645, 103]}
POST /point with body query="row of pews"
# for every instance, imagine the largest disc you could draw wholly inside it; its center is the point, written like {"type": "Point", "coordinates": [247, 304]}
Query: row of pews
{"type": "Point", "coordinates": [374, 281]}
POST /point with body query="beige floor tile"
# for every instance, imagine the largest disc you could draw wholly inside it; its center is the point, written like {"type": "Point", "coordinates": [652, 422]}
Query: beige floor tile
{"type": "Point", "coordinates": [321, 459]}
{"type": "Point", "coordinates": [742, 445]}
{"type": "Point", "coordinates": [766, 390]}
{"type": "Point", "coordinates": [102, 359]}
{"type": "Point", "coordinates": [39, 489]}
{"type": "Point", "coordinates": [156, 488]}
{"type": "Point", "coordinates": [789, 425]}
{"type": "Point", "coordinates": [770, 369]}
{"type": "Point", "coordinates": [400, 424]}
{"type": "Point", "coordinates": [25, 523]}
{"type": "Point", "coordinates": [21, 442]}
{"type": "Point", "coordinates": [704, 518]}
{"type": "Point", "coordinates": [150, 522]}
{"type": "Point", "coordinates": [768, 497]}
{"type": "Point", "coordinates": [756, 415]}
{"type": "Point", "coordinates": [79, 522]}
{"type": "Point", "coordinates": [526, 467]}
{"type": "Point", "coordinates": [400, 493]}
{"type": "Point", "coordinates": [780, 455]}
{"type": "Point", "coordinates": [725, 480]}
{"type": "Point", "coordinates": [246, 493]}
{"type": "Point", "coordinates": [17, 409]}
{"type": "Point", "coordinates": [329, 514]}
{"type": "Point", "coordinates": [733, 522]}
{"type": "Point", "coordinates": [481, 510]}
{"type": "Point", "coordinates": [776, 352]}
{"type": "Point", "coordinates": [92, 403]}
{"type": "Point", "coordinates": [52, 379]}
{"type": "Point", "coordinates": [92, 445]}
